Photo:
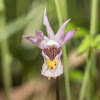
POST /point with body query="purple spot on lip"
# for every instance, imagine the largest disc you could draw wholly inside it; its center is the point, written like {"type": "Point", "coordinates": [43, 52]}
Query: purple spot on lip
{"type": "Point", "coordinates": [52, 52]}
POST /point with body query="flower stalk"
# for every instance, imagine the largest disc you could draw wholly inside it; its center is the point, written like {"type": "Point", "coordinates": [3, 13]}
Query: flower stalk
{"type": "Point", "coordinates": [57, 89]}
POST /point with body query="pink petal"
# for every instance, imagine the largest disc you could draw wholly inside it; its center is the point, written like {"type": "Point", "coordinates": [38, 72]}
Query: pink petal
{"type": "Point", "coordinates": [31, 39]}
{"type": "Point", "coordinates": [34, 40]}
{"type": "Point", "coordinates": [48, 27]}
{"type": "Point", "coordinates": [61, 31]}
{"type": "Point", "coordinates": [68, 36]}
{"type": "Point", "coordinates": [40, 35]}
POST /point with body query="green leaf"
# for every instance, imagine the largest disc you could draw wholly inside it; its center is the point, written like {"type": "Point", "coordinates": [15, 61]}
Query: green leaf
{"type": "Point", "coordinates": [85, 45]}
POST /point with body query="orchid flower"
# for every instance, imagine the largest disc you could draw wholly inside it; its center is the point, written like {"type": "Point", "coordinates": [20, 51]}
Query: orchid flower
{"type": "Point", "coordinates": [51, 47]}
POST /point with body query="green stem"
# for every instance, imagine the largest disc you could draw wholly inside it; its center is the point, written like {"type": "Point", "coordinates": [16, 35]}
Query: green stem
{"type": "Point", "coordinates": [58, 13]}
{"type": "Point", "coordinates": [66, 70]}
{"type": "Point", "coordinates": [86, 78]}
{"type": "Point", "coordinates": [66, 74]}
{"type": "Point", "coordinates": [93, 30]}
{"type": "Point", "coordinates": [93, 22]}
{"type": "Point", "coordinates": [6, 68]}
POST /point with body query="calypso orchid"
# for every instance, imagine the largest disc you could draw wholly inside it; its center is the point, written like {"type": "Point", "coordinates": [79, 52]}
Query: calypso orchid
{"type": "Point", "coordinates": [51, 47]}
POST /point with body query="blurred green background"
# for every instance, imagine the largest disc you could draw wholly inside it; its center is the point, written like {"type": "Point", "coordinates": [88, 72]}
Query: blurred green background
{"type": "Point", "coordinates": [23, 60]}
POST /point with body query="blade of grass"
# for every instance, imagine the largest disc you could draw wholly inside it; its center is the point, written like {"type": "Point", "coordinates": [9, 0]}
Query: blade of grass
{"type": "Point", "coordinates": [66, 71]}
{"type": "Point", "coordinates": [93, 30]}
{"type": "Point", "coordinates": [6, 68]}
{"type": "Point", "coordinates": [94, 16]}
{"type": "Point", "coordinates": [86, 78]}
{"type": "Point", "coordinates": [6, 71]}
{"type": "Point", "coordinates": [63, 8]}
